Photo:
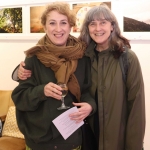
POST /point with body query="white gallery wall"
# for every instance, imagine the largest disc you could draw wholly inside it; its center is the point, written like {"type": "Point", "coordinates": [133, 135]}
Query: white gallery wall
{"type": "Point", "coordinates": [12, 49]}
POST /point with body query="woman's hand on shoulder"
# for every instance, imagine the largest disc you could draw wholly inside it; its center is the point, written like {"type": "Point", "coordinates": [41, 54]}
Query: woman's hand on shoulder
{"type": "Point", "coordinates": [23, 74]}
{"type": "Point", "coordinates": [53, 90]}
{"type": "Point", "coordinates": [84, 111]}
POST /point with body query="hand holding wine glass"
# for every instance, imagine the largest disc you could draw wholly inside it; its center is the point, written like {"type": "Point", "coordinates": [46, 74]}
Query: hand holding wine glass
{"type": "Point", "coordinates": [64, 93]}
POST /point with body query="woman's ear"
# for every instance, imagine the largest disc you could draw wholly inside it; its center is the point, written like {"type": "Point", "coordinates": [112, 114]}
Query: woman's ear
{"type": "Point", "coordinates": [112, 27]}
{"type": "Point", "coordinates": [44, 29]}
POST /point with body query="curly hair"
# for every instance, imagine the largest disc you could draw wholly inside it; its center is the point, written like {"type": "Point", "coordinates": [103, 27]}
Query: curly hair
{"type": "Point", "coordinates": [62, 8]}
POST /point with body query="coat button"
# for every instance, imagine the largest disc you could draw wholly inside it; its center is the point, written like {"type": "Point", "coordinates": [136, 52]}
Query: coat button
{"type": "Point", "coordinates": [55, 147]}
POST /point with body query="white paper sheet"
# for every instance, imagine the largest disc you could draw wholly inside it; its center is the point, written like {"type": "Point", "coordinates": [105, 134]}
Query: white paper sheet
{"type": "Point", "coordinates": [66, 126]}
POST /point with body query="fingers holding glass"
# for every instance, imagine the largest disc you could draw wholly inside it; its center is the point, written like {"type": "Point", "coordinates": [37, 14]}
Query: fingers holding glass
{"type": "Point", "coordinates": [64, 93]}
{"type": "Point", "coordinates": [52, 90]}
{"type": "Point", "coordinates": [57, 91]}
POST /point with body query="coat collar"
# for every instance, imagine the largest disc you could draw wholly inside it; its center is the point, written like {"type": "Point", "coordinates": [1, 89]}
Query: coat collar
{"type": "Point", "coordinates": [90, 50]}
{"type": "Point", "coordinates": [90, 53]}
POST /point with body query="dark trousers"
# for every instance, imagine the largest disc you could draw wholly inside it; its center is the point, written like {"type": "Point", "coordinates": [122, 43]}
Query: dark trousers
{"type": "Point", "coordinates": [89, 141]}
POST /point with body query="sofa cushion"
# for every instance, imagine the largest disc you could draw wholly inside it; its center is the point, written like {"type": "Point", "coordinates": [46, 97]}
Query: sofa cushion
{"type": "Point", "coordinates": [10, 127]}
{"type": "Point", "coordinates": [11, 143]}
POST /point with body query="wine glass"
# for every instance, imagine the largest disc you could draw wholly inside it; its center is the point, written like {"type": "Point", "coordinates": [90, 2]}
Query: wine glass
{"type": "Point", "coordinates": [64, 93]}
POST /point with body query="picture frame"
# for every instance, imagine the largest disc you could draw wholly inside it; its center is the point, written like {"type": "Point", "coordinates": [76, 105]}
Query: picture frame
{"type": "Point", "coordinates": [127, 9]}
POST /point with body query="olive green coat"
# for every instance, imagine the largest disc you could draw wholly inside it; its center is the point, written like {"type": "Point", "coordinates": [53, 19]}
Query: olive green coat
{"type": "Point", "coordinates": [121, 117]}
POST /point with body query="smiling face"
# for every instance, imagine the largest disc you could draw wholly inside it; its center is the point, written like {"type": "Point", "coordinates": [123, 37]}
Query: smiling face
{"type": "Point", "coordinates": [100, 31]}
{"type": "Point", "coordinates": [57, 28]}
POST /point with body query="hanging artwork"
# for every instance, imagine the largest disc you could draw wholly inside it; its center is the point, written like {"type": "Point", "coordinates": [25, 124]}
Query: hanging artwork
{"type": "Point", "coordinates": [35, 19]}
{"type": "Point", "coordinates": [11, 20]}
{"type": "Point", "coordinates": [137, 19]}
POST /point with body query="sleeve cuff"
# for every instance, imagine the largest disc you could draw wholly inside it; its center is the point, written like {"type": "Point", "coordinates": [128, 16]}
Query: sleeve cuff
{"type": "Point", "coordinates": [15, 74]}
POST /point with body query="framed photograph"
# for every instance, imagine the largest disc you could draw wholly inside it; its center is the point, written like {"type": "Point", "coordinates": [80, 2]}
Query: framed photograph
{"type": "Point", "coordinates": [11, 20]}
{"type": "Point", "coordinates": [133, 18]}
{"type": "Point", "coordinates": [35, 19]}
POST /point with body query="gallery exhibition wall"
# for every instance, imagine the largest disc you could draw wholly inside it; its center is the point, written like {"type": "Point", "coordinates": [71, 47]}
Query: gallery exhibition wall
{"type": "Point", "coordinates": [13, 45]}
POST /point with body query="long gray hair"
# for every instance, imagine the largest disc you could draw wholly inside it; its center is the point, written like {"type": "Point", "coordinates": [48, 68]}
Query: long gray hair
{"type": "Point", "coordinates": [103, 12]}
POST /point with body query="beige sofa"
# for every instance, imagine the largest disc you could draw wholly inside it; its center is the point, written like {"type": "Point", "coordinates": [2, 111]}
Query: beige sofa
{"type": "Point", "coordinates": [11, 138]}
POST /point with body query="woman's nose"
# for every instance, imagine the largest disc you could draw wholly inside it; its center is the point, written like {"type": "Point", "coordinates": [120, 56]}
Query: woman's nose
{"type": "Point", "coordinates": [98, 27]}
{"type": "Point", "coordinates": [58, 27]}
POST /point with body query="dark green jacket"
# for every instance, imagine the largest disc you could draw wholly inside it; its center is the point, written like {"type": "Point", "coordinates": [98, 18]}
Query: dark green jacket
{"type": "Point", "coordinates": [121, 115]}
{"type": "Point", "coordinates": [35, 111]}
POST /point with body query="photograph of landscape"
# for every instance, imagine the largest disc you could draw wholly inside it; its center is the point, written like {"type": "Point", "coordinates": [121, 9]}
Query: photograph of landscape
{"type": "Point", "coordinates": [136, 16]}
{"type": "Point", "coordinates": [35, 19]}
{"type": "Point", "coordinates": [11, 20]}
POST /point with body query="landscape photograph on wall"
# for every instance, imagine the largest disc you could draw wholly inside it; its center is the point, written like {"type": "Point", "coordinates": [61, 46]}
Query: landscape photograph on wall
{"type": "Point", "coordinates": [80, 9]}
{"type": "Point", "coordinates": [35, 19]}
{"type": "Point", "coordinates": [11, 20]}
{"type": "Point", "coordinates": [136, 16]}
